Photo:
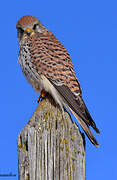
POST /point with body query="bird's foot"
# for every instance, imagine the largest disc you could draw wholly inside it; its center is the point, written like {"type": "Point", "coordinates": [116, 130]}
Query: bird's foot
{"type": "Point", "coordinates": [42, 95]}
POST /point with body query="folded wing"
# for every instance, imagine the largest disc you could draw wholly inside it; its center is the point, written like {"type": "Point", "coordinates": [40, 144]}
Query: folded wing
{"type": "Point", "coordinates": [77, 106]}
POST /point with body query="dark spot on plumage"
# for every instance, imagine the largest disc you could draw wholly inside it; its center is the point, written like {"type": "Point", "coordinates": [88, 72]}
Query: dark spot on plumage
{"type": "Point", "coordinates": [29, 45]}
{"type": "Point", "coordinates": [38, 66]}
{"type": "Point", "coordinates": [65, 59]}
{"type": "Point", "coordinates": [48, 66]}
{"type": "Point", "coordinates": [74, 80]}
{"type": "Point", "coordinates": [53, 64]}
{"type": "Point", "coordinates": [49, 62]}
{"type": "Point", "coordinates": [39, 56]}
{"type": "Point", "coordinates": [55, 69]}
{"type": "Point", "coordinates": [60, 54]}
{"type": "Point", "coordinates": [25, 50]}
{"type": "Point", "coordinates": [44, 69]}
{"type": "Point", "coordinates": [59, 62]}
{"type": "Point", "coordinates": [51, 55]}
{"type": "Point", "coordinates": [44, 39]}
{"type": "Point", "coordinates": [73, 86]}
{"type": "Point", "coordinates": [77, 91]}
{"type": "Point", "coordinates": [57, 49]}
{"type": "Point", "coordinates": [62, 69]}
{"type": "Point", "coordinates": [57, 74]}
{"type": "Point", "coordinates": [56, 56]}
{"type": "Point", "coordinates": [60, 79]}
{"type": "Point", "coordinates": [27, 63]}
{"type": "Point", "coordinates": [70, 75]}
{"type": "Point", "coordinates": [62, 75]}
{"type": "Point", "coordinates": [49, 72]}
{"type": "Point", "coordinates": [45, 43]}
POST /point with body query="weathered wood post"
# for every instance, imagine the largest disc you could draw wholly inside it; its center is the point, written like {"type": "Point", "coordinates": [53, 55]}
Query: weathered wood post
{"type": "Point", "coordinates": [50, 146]}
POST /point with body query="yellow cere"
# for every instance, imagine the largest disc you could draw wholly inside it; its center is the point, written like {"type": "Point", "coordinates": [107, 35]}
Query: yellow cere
{"type": "Point", "coordinates": [30, 31]}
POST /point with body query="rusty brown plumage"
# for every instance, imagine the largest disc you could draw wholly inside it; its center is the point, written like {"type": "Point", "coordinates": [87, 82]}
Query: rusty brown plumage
{"type": "Point", "coordinates": [26, 21]}
{"type": "Point", "coordinates": [52, 57]}
{"type": "Point", "coordinates": [48, 66]}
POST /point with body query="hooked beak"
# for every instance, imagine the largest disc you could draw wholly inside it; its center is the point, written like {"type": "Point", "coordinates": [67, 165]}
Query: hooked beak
{"type": "Point", "coordinates": [29, 31]}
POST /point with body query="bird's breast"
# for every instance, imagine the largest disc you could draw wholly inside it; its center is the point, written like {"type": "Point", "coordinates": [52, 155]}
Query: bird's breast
{"type": "Point", "coordinates": [29, 69]}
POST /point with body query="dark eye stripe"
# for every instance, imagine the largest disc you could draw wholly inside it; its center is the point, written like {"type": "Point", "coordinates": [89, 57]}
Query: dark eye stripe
{"type": "Point", "coordinates": [20, 32]}
{"type": "Point", "coordinates": [36, 26]}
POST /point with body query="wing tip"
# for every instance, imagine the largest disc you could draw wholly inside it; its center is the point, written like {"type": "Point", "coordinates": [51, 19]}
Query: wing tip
{"type": "Point", "coordinates": [94, 142]}
{"type": "Point", "coordinates": [88, 132]}
{"type": "Point", "coordinates": [97, 130]}
{"type": "Point", "coordinates": [97, 145]}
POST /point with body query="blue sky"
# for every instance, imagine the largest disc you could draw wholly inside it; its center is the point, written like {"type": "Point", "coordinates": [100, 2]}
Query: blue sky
{"type": "Point", "coordinates": [88, 29]}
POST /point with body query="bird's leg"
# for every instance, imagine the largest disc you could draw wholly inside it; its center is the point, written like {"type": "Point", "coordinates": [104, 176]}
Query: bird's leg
{"type": "Point", "coordinates": [42, 94]}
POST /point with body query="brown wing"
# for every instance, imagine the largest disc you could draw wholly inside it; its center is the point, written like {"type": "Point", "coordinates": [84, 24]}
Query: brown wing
{"type": "Point", "coordinates": [79, 109]}
{"type": "Point", "coordinates": [53, 61]}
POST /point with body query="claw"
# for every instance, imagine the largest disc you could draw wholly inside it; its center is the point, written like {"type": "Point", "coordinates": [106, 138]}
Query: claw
{"type": "Point", "coordinates": [43, 94]}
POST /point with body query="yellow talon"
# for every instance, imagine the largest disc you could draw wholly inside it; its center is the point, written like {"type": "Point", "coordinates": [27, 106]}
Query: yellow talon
{"type": "Point", "coordinates": [43, 94]}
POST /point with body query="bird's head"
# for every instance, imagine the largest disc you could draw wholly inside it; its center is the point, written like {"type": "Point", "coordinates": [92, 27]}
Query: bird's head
{"type": "Point", "coordinates": [28, 26]}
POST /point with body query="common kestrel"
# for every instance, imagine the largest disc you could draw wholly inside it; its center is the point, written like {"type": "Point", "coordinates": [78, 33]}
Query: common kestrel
{"type": "Point", "coordinates": [47, 66]}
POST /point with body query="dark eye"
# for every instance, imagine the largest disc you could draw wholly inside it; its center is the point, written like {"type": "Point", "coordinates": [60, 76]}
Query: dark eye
{"type": "Point", "coordinates": [36, 27]}
{"type": "Point", "coordinates": [20, 32]}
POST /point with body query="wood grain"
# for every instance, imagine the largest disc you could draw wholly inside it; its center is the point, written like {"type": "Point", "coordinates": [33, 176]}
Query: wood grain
{"type": "Point", "coordinates": [50, 146]}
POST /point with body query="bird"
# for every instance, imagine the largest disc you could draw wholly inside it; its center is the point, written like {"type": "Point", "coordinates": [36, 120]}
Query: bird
{"type": "Point", "coordinates": [48, 67]}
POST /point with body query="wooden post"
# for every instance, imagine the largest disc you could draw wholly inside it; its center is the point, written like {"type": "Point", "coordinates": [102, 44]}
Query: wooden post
{"type": "Point", "coordinates": [50, 146]}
